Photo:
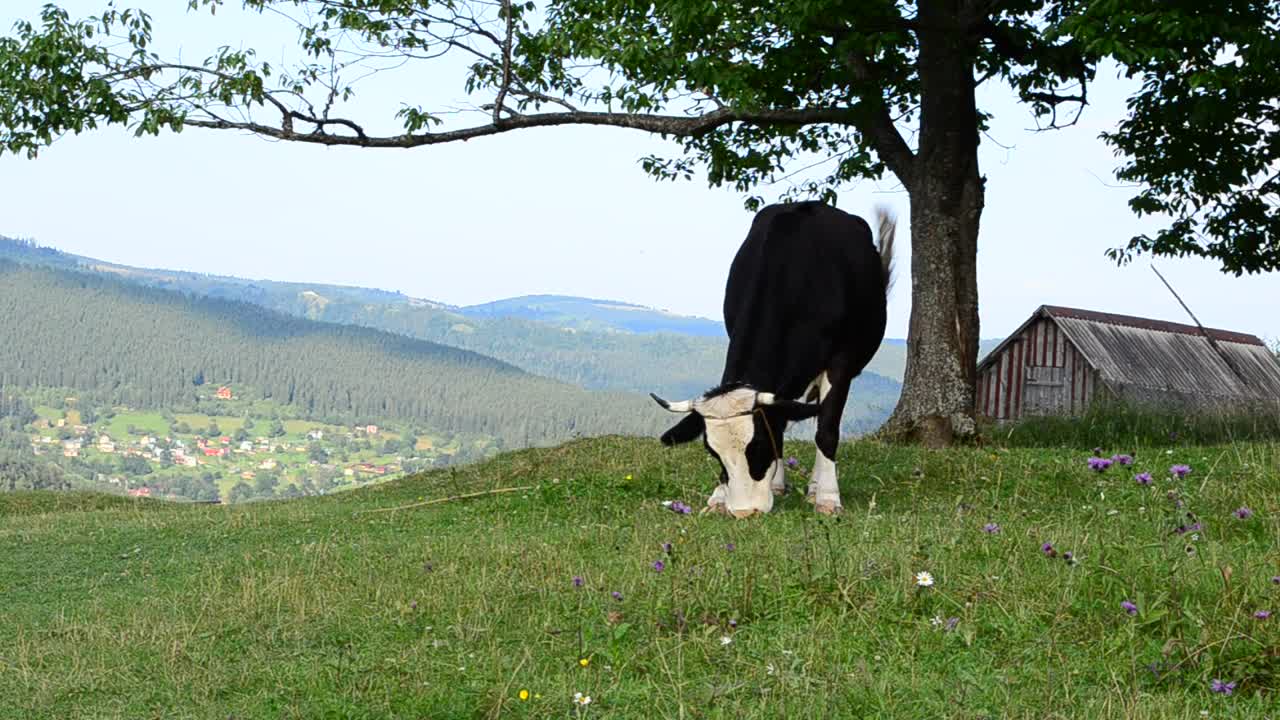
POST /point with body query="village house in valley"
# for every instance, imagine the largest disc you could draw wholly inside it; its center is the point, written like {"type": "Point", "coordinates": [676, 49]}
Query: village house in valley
{"type": "Point", "coordinates": [1061, 360]}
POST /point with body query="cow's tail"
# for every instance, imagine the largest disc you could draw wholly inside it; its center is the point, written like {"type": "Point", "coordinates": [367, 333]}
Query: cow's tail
{"type": "Point", "coordinates": [886, 224]}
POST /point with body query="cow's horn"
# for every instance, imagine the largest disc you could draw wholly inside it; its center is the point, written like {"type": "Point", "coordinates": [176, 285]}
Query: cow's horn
{"type": "Point", "coordinates": [683, 406]}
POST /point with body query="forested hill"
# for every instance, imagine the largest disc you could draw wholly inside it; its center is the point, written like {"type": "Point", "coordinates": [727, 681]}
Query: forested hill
{"type": "Point", "coordinates": [554, 346]}
{"type": "Point", "coordinates": [146, 347]}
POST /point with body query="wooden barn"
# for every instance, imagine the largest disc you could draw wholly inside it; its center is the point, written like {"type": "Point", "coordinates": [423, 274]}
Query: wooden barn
{"type": "Point", "coordinates": [1062, 359]}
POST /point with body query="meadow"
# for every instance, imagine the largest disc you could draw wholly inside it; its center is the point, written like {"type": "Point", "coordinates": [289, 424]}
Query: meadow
{"type": "Point", "coordinates": [1052, 587]}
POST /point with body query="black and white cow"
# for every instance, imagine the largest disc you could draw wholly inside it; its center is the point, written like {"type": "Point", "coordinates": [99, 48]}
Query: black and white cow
{"type": "Point", "coordinates": [805, 308]}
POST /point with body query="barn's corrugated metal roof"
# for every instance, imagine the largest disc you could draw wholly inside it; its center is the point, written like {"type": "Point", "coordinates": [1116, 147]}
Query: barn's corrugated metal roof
{"type": "Point", "coordinates": [1152, 358]}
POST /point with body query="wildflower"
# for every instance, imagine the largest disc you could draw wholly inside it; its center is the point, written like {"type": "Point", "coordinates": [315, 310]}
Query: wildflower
{"type": "Point", "coordinates": [627, 478]}
{"type": "Point", "coordinates": [1098, 464]}
{"type": "Point", "coordinates": [524, 695]}
{"type": "Point", "coordinates": [730, 547]}
{"type": "Point", "coordinates": [725, 639]}
{"type": "Point", "coordinates": [1243, 513]}
{"type": "Point", "coordinates": [733, 623]}
{"type": "Point", "coordinates": [659, 566]}
{"type": "Point", "coordinates": [616, 595]}
{"type": "Point", "coordinates": [1122, 459]}
{"type": "Point", "coordinates": [413, 604]}
{"type": "Point", "coordinates": [1048, 550]}
{"type": "Point", "coordinates": [584, 661]}
{"type": "Point", "coordinates": [1129, 607]}
{"type": "Point", "coordinates": [1142, 478]}
{"type": "Point", "coordinates": [577, 581]}
{"type": "Point", "coordinates": [991, 528]}
{"type": "Point", "coordinates": [1275, 580]}
{"type": "Point", "coordinates": [792, 462]}
{"type": "Point", "coordinates": [1069, 557]}
{"type": "Point", "coordinates": [666, 548]}
{"type": "Point", "coordinates": [936, 621]}
{"type": "Point", "coordinates": [1222, 688]}
{"type": "Point", "coordinates": [1180, 471]}
{"type": "Point", "coordinates": [924, 579]}
{"type": "Point", "coordinates": [1262, 615]}
{"type": "Point", "coordinates": [581, 699]}
{"type": "Point", "coordinates": [952, 622]}
{"type": "Point", "coordinates": [680, 508]}
{"type": "Point", "coordinates": [1097, 452]}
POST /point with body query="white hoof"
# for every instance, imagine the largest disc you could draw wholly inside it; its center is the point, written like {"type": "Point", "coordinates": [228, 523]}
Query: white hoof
{"type": "Point", "coordinates": [828, 505]}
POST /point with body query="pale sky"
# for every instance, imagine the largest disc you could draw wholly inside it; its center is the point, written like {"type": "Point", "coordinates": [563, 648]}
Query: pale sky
{"type": "Point", "coordinates": [561, 210]}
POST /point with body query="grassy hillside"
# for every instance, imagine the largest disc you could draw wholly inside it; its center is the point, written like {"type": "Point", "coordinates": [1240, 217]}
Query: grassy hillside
{"type": "Point", "coordinates": [341, 606]}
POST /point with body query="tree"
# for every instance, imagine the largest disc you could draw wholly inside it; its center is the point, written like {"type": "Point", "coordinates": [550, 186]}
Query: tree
{"type": "Point", "coordinates": [749, 91]}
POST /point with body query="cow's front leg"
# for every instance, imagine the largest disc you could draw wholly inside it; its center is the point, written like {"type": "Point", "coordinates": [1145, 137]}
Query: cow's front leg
{"type": "Point", "coordinates": [824, 486]}
{"type": "Point", "coordinates": [778, 483]}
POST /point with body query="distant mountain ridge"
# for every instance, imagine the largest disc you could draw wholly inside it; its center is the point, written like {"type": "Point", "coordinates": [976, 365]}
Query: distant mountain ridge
{"type": "Point", "coordinates": [596, 315]}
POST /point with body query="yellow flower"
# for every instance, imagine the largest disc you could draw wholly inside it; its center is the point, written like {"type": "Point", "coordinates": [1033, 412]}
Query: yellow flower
{"type": "Point", "coordinates": [524, 694]}
{"type": "Point", "coordinates": [584, 662]}
{"type": "Point", "coordinates": [627, 478]}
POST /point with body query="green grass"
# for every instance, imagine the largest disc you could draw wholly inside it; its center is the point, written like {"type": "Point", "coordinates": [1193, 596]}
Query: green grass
{"type": "Point", "coordinates": [150, 422]}
{"type": "Point", "coordinates": [324, 608]}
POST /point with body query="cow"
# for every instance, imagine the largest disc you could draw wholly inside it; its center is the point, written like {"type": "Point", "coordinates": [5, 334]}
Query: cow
{"type": "Point", "coordinates": [805, 309]}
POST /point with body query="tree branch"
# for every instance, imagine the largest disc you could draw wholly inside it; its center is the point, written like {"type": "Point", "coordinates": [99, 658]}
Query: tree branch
{"type": "Point", "coordinates": [876, 123]}
{"type": "Point", "coordinates": [673, 125]}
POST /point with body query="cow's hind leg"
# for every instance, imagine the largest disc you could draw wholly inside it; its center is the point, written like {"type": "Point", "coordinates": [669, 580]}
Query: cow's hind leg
{"type": "Point", "coordinates": [824, 487]}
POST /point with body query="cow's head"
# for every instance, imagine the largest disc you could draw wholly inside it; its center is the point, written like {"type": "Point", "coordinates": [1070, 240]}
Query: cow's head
{"type": "Point", "coordinates": [742, 429]}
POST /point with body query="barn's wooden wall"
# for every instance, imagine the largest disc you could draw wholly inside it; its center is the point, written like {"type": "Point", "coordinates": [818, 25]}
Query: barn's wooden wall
{"type": "Point", "coordinates": [1041, 344]}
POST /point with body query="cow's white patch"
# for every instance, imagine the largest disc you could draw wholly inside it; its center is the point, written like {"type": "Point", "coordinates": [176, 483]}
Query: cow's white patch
{"type": "Point", "coordinates": [826, 496]}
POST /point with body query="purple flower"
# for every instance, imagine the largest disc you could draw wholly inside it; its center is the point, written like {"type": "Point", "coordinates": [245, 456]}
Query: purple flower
{"type": "Point", "coordinates": [659, 566]}
{"type": "Point", "coordinates": [1180, 471]}
{"type": "Point", "coordinates": [1262, 614]}
{"type": "Point", "coordinates": [1070, 558]}
{"type": "Point", "coordinates": [1129, 607]}
{"type": "Point", "coordinates": [1223, 688]}
{"type": "Point", "coordinates": [413, 605]}
{"type": "Point", "coordinates": [1142, 478]}
{"type": "Point", "coordinates": [1122, 459]}
{"type": "Point", "coordinates": [1275, 580]}
{"type": "Point", "coordinates": [1048, 550]}
{"type": "Point", "coordinates": [792, 462]}
{"type": "Point", "coordinates": [679, 508]}
{"type": "Point", "coordinates": [1183, 529]}
{"type": "Point", "coordinates": [1097, 452]}
{"type": "Point", "coordinates": [577, 581]}
{"type": "Point", "coordinates": [1243, 513]}
{"type": "Point", "coordinates": [730, 547]}
{"type": "Point", "coordinates": [666, 548]}
{"type": "Point", "coordinates": [991, 528]}
{"type": "Point", "coordinates": [952, 622]}
{"type": "Point", "coordinates": [1098, 464]}
{"type": "Point", "coordinates": [616, 595]}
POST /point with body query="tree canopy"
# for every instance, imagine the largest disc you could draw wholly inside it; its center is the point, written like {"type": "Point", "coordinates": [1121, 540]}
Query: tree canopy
{"type": "Point", "coordinates": [744, 89]}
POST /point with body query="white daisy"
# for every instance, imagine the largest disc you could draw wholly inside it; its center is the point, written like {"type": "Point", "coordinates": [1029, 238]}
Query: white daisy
{"type": "Point", "coordinates": [924, 579]}
{"type": "Point", "coordinates": [725, 639]}
{"type": "Point", "coordinates": [581, 699]}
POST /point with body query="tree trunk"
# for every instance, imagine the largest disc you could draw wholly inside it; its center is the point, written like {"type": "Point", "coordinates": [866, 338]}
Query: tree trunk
{"type": "Point", "coordinates": [946, 192]}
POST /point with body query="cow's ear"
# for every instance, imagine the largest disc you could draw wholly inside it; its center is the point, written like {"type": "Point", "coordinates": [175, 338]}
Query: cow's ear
{"type": "Point", "coordinates": [795, 411]}
{"type": "Point", "coordinates": [687, 429]}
